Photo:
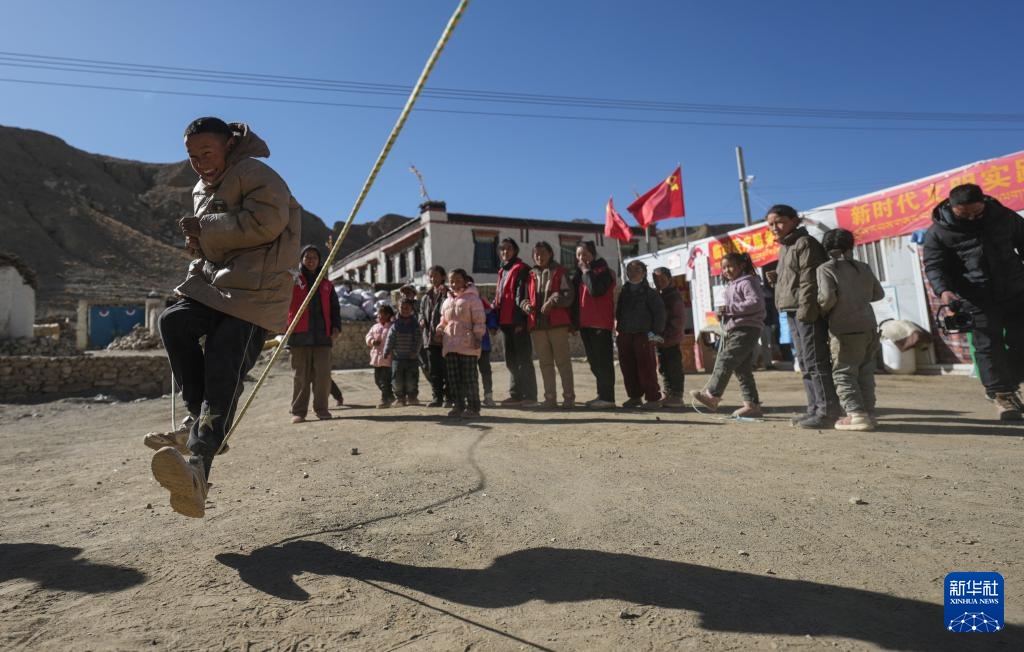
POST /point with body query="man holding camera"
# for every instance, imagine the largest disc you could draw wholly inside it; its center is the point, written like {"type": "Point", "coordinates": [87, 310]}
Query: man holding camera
{"type": "Point", "coordinates": [974, 259]}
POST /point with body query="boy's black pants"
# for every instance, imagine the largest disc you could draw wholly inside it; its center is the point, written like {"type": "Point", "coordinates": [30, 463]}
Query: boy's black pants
{"type": "Point", "coordinates": [405, 375]}
{"type": "Point", "coordinates": [210, 375]}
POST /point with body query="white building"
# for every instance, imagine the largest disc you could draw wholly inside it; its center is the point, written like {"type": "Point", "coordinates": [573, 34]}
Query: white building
{"type": "Point", "coordinates": [17, 298]}
{"type": "Point", "coordinates": [454, 240]}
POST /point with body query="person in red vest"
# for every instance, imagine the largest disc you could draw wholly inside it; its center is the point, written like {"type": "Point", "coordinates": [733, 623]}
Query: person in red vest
{"type": "Point", "coordinates": [594, 316]}
{"type": "Point", "coordinates": [512, 276]}
{"type": "Point", "coordinates": [546, 300]}
{"type": "Point", "coordinates": [312, 339]}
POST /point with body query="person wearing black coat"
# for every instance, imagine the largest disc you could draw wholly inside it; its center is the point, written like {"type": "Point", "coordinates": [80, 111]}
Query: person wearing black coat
{"type": "Point", "coordinates": [974, 253]}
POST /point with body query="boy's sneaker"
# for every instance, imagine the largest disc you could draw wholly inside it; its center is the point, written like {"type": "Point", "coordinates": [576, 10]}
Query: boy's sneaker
{"type": "Point", "coordinates": [530, 404]}
{"type": "Point", "coordinates": [705, 399]}
{"type": "Point", "coordinates": [470, 414]}
{"type": "Point", "coordinates": [651, 405]}
{"type": "Point", "coordinates": [633, 403]}
{"type": "Point", "coordinates": [569, 404]}
{"type": "Point", "coordinates": [511, 402]}
{"type": "Point", "coordinates": [176, 438]}
{"type": "Point", "coordinates": [599, 404]}
{"type": "Point", "coordinates": [749, 411]}
{"type": "Point", "coordinates": [412, 401]}
{"type": "Point", "coordinates": [1007, 406]}
{"type": "Point", "coordinates": [324, 416]}
{"type": "Point", "coordinates": [455, 413]}
{"type": "Point", "coordinates": [859, 421]}
{"type": "Point", "coordinates": [383, 405]}
{"type": "Point", "coordinates": [184, 478]}
{"type": "Point", "coordinates": [549, 404]}
{"type": "Point", "coordinates": [436, 403]}
{"type": "Point", "coordinates": [489, 400]}
{"type": "Point", "coordinates": [816, 422]}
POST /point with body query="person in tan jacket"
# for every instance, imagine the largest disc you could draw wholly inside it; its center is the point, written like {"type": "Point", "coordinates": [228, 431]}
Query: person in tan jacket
{"type": "Point", "coordinates": [244, 234]}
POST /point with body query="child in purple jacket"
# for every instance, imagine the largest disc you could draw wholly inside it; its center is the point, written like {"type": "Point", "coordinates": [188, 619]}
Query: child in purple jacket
{"type": "Point", "coordinates": [743, 318]}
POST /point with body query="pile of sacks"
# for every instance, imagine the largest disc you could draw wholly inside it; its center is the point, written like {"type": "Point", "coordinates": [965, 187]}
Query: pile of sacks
{"type": "Point", "coordinates": [361, 304]}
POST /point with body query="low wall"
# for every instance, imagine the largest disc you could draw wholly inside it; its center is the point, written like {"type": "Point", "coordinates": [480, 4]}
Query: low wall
{"type": "Point", "coordinates": [123, 374]}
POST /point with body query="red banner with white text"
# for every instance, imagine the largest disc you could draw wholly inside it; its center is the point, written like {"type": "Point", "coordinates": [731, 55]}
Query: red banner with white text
{"type": "Point", "coordinates": [757, 241]}
{"type": "Point", "coordinates": [908, 208]}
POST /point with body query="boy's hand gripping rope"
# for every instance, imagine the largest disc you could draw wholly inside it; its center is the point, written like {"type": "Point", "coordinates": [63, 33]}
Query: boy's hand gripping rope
{"type": "Point", "coordinates": [397, 129]}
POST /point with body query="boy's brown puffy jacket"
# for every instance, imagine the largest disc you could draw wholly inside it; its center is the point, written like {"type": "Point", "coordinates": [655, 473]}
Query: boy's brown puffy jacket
{"type": "Point", "coordinates": [249, 233]}
{"type": "Point", "coordinates": [796, 288]}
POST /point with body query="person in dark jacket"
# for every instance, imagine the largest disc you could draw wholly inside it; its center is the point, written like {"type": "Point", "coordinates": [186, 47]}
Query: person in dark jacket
{"type": "Point", "coordinates": [311, 341]}
{"type": "Point", "coordinates": [513, 275]}
{"type": "Point", "coordinates": [593, 313]}
{"type": "Point", "coordinates": [639, 317]}
{"type": "Point", "coordinates": [974, 253]}
{"type": "Point", "coordinates": [796, 294]}
{"type": "Point", "coordinates": [670, 355]}
{"type": "Point", "coordinates": [430, 317]}
{"type": "Point", "coordinates": [403, 345]}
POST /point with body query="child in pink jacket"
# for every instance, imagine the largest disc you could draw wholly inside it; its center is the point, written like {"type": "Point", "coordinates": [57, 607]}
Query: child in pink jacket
{"type": "Point", "coordinates": [376, 339]}
{"type": "Point", "coordinates": [462, 329]}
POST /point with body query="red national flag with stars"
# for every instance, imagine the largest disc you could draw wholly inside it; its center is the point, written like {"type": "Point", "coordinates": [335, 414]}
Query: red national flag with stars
{"type": "Point", "coordinates": [614, 225]}
{"type": "Point", "coordinates": [661, 202]}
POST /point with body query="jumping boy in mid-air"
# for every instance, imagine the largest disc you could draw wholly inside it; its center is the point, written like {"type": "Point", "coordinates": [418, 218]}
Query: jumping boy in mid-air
{"type": "Point", "coordinates": [245, 236]}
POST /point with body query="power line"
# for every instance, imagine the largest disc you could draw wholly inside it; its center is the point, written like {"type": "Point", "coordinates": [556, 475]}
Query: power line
{"type": "Point", "coordinates": [573, 118]}
{"type": "Point", "coordinates": [124, 69]}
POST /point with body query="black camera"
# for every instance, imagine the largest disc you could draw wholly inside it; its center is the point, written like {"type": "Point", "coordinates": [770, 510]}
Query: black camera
{"type": "Point", "coordinates": [955, 320]}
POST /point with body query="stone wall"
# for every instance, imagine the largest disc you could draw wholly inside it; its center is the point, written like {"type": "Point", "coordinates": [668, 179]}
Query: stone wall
{"type": "Point", "coordinates": [44, 378]}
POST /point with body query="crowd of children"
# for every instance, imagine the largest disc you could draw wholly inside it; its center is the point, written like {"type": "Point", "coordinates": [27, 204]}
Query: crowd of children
{"type": "Point", "coordinates": [822, 291]}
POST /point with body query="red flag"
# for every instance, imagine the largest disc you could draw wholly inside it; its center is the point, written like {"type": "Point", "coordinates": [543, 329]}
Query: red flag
{"type": "Point", "coordinates": [614, 225]}
{"type": "Point", "coordinates": [661, 202]}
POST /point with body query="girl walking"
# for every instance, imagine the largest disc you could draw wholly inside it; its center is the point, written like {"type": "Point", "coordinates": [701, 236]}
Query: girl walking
{"type": "Point", "coordinates": [742, 316]}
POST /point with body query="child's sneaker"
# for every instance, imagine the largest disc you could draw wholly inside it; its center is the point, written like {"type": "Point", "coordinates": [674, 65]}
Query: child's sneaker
{"type": "Point", "coordinates": [184, 478]}
{"type": "Point", "coordinates": [383, 405]}
{"type": "Point", "coordinates": [470, 414]}
{"type": "Point", "coordinates": [489, 400]}
{"type": "Point", "coordinates": [176, 439]}
{"type": "Point", "coordinates": [412, 401]}
{"type": "Point", "coordinates": [705, 399]}
{"type": "Point", "coordinates": [600, 404]}
{"type": "Point", "coordinates": [749, 411]}
{"type": "Point", "coordinates": [859, 421]}
{"type": "Point", "coordinates": [548, 404]}
{"type": "Point", "coordinates": [633, 403]}
{"type": "Point", "coordinates": [1007, 407]}
{"type": "Point", "coordinates": [569, 404]}
{"type": "Point", "coordinates": [455, 413]}
{"type": "Point", "coordinates": [672, 402]}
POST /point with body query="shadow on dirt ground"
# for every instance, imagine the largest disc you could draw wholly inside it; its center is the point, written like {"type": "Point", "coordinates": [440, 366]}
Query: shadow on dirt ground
{"type": "Point", "coordinates": [728, 601]}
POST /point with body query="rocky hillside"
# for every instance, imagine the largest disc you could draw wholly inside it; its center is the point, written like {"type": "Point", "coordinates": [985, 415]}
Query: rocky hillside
{"type": "Point", "coordinates": [102, 228]}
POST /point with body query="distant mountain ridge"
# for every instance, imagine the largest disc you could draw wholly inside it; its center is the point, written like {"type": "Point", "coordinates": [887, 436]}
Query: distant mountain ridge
{"type": "Point", "coordinates": [104, 229]}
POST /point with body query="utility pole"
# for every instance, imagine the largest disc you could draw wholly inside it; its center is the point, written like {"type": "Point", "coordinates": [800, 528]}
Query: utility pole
{"type": "Point", "coordinates": [743, 186]}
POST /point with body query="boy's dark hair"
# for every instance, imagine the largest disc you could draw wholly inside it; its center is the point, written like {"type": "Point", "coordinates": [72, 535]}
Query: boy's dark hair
{"type": "Point", "coordinates": [784, 210]}
{"type": "Point", "coordinates": [438, 269]}
{"type": "Point", "coordinates": [663, 271]}
{"type": "Point", "coordinates": [837, 240]}
{"type": "Point", "coordinates": [743, 261]}
{"type": "Point", "coordinates": [967, 193]}
{"type": "Point", "coordinates": [408, 302]}
{"type": "Point", "coordinates": [589, 245]}
{"type": "Point", "coordinates": [386, 309]}
{"type": "Point", "coordinates": [543, 244]}
{"type": "Point", "coordinates": [510, 241]}
{"type": "Point", "coordinates": [209, 125]}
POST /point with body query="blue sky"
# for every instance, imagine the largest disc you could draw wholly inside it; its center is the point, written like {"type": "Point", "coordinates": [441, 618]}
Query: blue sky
{"type": "Point", "coordinates": [909, 56]}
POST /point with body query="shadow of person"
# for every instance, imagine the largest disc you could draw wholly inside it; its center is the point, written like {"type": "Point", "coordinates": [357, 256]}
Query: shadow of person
{"type": "Point", "coordinates": [56, 567]}
{"type": "Point", "coordinates": [728, 601]}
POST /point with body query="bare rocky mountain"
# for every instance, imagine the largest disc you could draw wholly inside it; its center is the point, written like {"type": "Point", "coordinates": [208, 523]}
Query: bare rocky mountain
{"type": "Point", "coordinates": [100, 228]}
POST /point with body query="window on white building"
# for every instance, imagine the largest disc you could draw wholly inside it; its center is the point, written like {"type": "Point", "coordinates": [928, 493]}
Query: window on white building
{"type": "Point", "coordinates": [417, 259]}
{"type": "Point", "coordinates": [485, 252]}
{"type": "Point", "coordinates": [403, 265]}
{"type": "Point", "coordinates": [567, 250]}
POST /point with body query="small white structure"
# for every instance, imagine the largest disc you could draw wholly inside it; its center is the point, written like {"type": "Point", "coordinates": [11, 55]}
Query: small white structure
{"type": "Point", "coordinates": [17, 297]}
{"type": "Point", "coordinates": [455, 240]}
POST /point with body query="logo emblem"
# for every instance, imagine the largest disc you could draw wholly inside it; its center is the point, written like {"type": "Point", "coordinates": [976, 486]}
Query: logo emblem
{"type": "Point", "coordinates": [973, 602]}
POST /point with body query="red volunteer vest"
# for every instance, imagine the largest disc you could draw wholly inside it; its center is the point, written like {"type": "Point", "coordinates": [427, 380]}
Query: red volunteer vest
{"type": "Point", "coordinates": [596, 312]}
{"type": "Point", "coordinates": [506, 298]}
{"type": "Point", "coordinates": [557, 316]}
{"type": "Point", "coordinates": [299, 295]}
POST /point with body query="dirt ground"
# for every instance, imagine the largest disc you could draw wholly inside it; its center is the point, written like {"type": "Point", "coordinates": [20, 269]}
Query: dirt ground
{"type": "Point", "coordinates": [620, 530]}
